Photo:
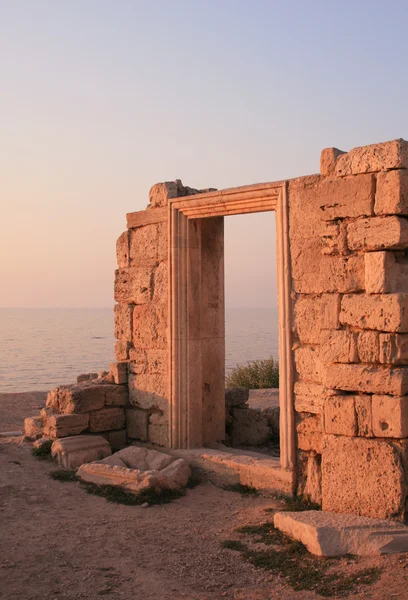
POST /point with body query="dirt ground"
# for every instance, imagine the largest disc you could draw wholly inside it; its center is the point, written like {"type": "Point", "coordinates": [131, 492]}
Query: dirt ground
{"type": "Point", "coordinates": [58, 542]}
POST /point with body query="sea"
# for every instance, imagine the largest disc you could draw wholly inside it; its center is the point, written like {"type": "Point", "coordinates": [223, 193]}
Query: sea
{"type": "Point", "coordinates": [41, 348]}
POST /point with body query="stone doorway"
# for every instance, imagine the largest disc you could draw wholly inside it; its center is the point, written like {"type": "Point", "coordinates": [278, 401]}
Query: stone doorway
{"type": "Point", "coordinates": [197, 336]}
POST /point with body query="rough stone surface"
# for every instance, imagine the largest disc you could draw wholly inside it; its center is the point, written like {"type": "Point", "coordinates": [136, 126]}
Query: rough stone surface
{"type": "Point", "coordinates": [382, 312]}
{"type": "Point", "coordinates": [119, 372]}
{"type": "Point", "coordinates": [363, 407]}
{"type": "Point", "coordinates": [159, 429]}
{"type": "Point", "coordinates": [390, 416]}
{"type": "Point", "coordinates": [341, 198]}
{"type": "Point", "coordinates": [59, 426]}
{"type": "Point", "coordinates": [116, 438]}
{"type": "Point", "coordinates": [86, 396]}
{"type": "Point", "coordinates": [150, 326]}
{"type": "Point", "coordinates": [368, 347]}
{"type": "Point", "coordinates": [391, 196]}
{"type": "Point", "coordinates": [378, 233]}
{"type": "Point", "coordinates": [106, 419]}
{"type": "Point", "coordinates": [376, 379]}
{"type": "Point", "coordinates": [160, 193]}
{"type": "Point", "coordinates": [328, 158]}
{"type": "Point", "coordinates": [133, 285]}
{"type": "Point", "coordinates": [308, 364]}
{"type": "Point", "coordinates": [350, 486]}
{"type": "Point", "coordinates": [137, 423]}
{"type": "Point", "coordinates": [236, 396]}
{"type": "Point", "coordinates": [309, 397]}
{"type": "Point", "coordinates": [327, 534]}
{"type": "Point", "coordinates": [340, 347]}
{"type": "Point", "coordinates": [374, 158]}
{"type": "Point", "coordinates": [72, 452]}
{"type": "Point", "coordinates": [340, 416]}
{"type": "Point", "coordinates": [144, 246]}
{"type": "Point", "coordinates": [122, 250]}
{"type": "Point", "coordinates": [393, 348]}
{"type": "Point", "coordinates": [313, 486]}
{"type": "Point", "coordinates": [250, 428]}
{"type": "Point", "coordinates": [123, 322]}
{"type": "Point", "coordinates": [313, 314]}
{"type": "Point", "coordinates": [310, 434]}
{"type": "Point", "coordinates": [33, 427]}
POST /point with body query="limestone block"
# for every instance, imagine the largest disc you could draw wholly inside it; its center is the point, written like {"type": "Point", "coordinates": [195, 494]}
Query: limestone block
{"type": "Point", "coordinates": [151, 460]}
{"type": "Point", "coordinates": [72, 452]}
{"type": "Point", "coordinates": [333, 239]}
{"type": "Point", "coordinates": [134, 457]}
{"type": "Point", "coordinates": [393, 348]}
{"type": "Point", "coordinates": [116, 395]}
{"type": "Point", "coordinates": [390, 416]}
{"type": "Point", "coordinates": [143, 246]}
{"type": "Point", "coordinates": [249, 427]}
{"type": "Point", "coordinates": [122, 250]}
{"type": "Point", "coordinates": [116, 438]}
{"type": "Point", "coordinates": [309, 397]}
{"type": "Point", "coordinates": [137, 422]}
{"type": "Point", "coordinates": [33, 427]}
{"type": "Point", "coordinates": [106, 419]}
{"type": "Point", "coordinates": [160, 282]}
{"type": "Point", "coordinates": [363, 407]}
{"type": "Point", "coordinates": [387, 312]}
{"type": "Point", "coordinates": [160, 193]}
{"type": "Point", "coordinates": [386, 272]}
{"type": "Point", "coordinates": [156, 461]}
{"type": "Point", "coordinates": [148, 391]}
{"type": "Point", "coordinates": [236, 396]}
{"type": "Point", "coordinates": [305, 199]}
{"type": "Point", "coordinates": [42, 443]}
{"type": "Point", "coordinates": [59, 426]}
{"type": "Point", "coordinates": [150, 326]}
{"type": "Point", "coordinates": [122, 350]}
{"type": "Point", "coordinates": [153, 361]}
{"type": "Point", "coordinates": [328, 158]}
{"type": "Point", "coordinates": [86, 377]}
{"type": "Point", "coordinates": [313, 486]}
{"type": "Point", "coordinates": [134, 285]}
{"type": "Point", "coordinates": [159, 429]}
{"type": "Point", "coordinates": [339, 347]}
{"type": "Point", "coordinates": [391, 196]}
{"type": "Point", "coordinates": [178, 472]}
{"type": "Point", "coordinates": [120, 372]}
{"type": "Point", "coordinates": [163, 242]}
{"type": "Point", "coordinates": [123, 322]}
{"type": "Point", "coordinates": [341, 198]}
{"type": "Point", "coordinates": [313, 314]}
{"type": "Point", "coordinates": [308, 364]}
{"type": "Point", "coordinates": [378, 233]}
{"type": "Point", "coordinates": [368, 346]}
{"type": "Point", "coordinates": [87, 396]}
{"type": "Point", "coordinates": [310, 434]}
{"type": "Point", "coordinates": [349, 486]}
{"type": "Point", "coordinates": [330, 534]}
{"type": "Point", "coordinates": [374, 158]}
{"type": "Point", "coordinates": [340, 416]}
{"type": "Point", "coordinates": [376, 379]}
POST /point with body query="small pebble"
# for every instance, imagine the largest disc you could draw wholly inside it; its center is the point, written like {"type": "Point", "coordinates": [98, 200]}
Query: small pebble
{"type": "Point", "coordinates": [144, 505]}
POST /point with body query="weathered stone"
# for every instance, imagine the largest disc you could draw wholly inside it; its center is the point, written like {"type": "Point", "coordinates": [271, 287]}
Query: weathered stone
{"type": "Point", "coordinates": [313, 487]}
{"type": "Point", "coordinates": [236, 396]}
{"type": "Point", "coordinates": [116, 438]}
{"type": "Point", "coordinates": [350, 486]}
{"type": "Point", "coordinates": [123, 322]}
{"type": "Point", "coordinates": [374, 158]}
{"type": "Point", "coordinates": [308, 364]}
{"type": "Point", "coordinates": [159, 429]}
{"type": "Point", "coordinates": [137, 422]}
{"type": "Point", "coordinates": [145, 360]}
{"type": "Point", "coordinates": [386, 272]}
{"type": "Point", "coordinates": [134, 457]}
{"type": "Point", "coordinates": [328, 158]}
{"type": "Point", "coordinates": [309, 397]}
{"type": "Point", "coordinates": [363, 406]}
{"type": "Point", "coordinates": [150, 326]}
{"type": "Point", "coordinates": [313, 314]}
{"type": "Point", "coordinates": [163, 242]}
{"type": "Point", "coordinates": [340, 417]}
{"type": "Point", "coordinates": [143, 246]}
{"type": "Point", "coordinates": [86, 377]}
{"type": "Point", "coordinates": [386, 312]}
{"type": "Point", "coordinates": [378, 233]}
{"type": "Point", "coordinates": [250, 427]}
{"type": "Point", "coordinates": [339, 347]}
{"type": "Point", "coordinates": [148, 391]}
{"type": "Point", "coordinates": [119, 371]}
{"type": "Point", "coordinates": [133, 480]}
{"type": "Point", "coordinates": [85, 397]}
{"type": "Point", "coordinates": [341, 198]}
{"type": "Point", "coordinates": [43, 443]}
{"type": "Point", "coordinates": [160, 282]}
{"type": "Point", "coordinates": [391, 196]}
{"type": "Point", "coordinates": [160, 193]}
{"type": "Point", "coordinates": [59, 426]}
{"type": "Point", "coordinates": [393, 348]}
{"type": "Point", "coordinates": [33, 427]}
{"type": "Point", "coordinates": [390, 416]}
{"type": "Point", "coordinates": [368, 346]}
{"type": "Point", "coordinates": [133, 285]}
{"type": "Point", "coordinates": [329, 534]}
{"type": "Point", "coordinates": [376, 379]}
{"type": "Point", "coordinates": [122, 250]}
{"type": "Point", "coordinates": [310, 434]}
{"type": "Point", "coordinates": [178, 472]}
{"type": "Point", "coordinates": [106, 419]}
{"type": "Point", "coordinates": [116, 395]}
{"type": "Point", "coordinates": [72, 452]}
{"type": "Point", "coordinates": [333, 239]}
{"type": "Point", "coordinates": [122, 350]}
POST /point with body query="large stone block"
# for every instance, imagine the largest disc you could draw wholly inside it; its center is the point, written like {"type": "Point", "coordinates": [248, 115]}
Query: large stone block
{"type": "Point", "coordinates": [119, 371]}
{"type": "Point", "coordinates": [153, 361]}
{"type": "Point", "coordinates": [106, 419]}
{"type": "Point", "coordinates": [385, 272]}
{"type": "Point", "coordinates": [328, 159]}
{"type": "Point", "coordinates": [59, 426]}
{"type": "Point", "coordinates": [363, 477]}
{"type": "Point", "coordinates": [160, 283]}
{"type": "Point", "coordinates": [149, 391]}
{"type": "Point", "coordinates": [309, 397]}
{"type": "Point", "coordinates": [122, 350]}
{"type": "Point", "coordinates": [340, 416]}
{"type": "Point", "coordinates": [393, 348]}
{"type": "Point", "coordinates": [159, 429]}
{"type": "Point", "coordinates": [72, 452]}
{"type": "Point", "coordinates": [33, 427]}
{"type": "Point", "coordinates": [374, 158]}
{"type": "Point", "coordinates": [391, 196]}
{"type": "Point", "coordinates": [123, 322]}
{"type": "Point", "coordinates": [143, 246]}
{"type": "Point", "coordinates": [334, 238]}
{"type": "Point", "coordinates": [390, 416]}
{"type": "Point", "coordinates": [134, 285]}
{"type": "Point", "coordinates": [310, 434]}
{"type": "Point", "coordinates": [305, 199]}
{"type": "Point", "coordinates": [339, 347]}
{"type": "Point", "coordinates": [376, 379]}
{"type": "Point", "coordinates": [116, 438]}
{"type": "Point", "coordinates": [236, 396]}
{"type": "Point", "coordinates": [341, 198]}
{"type": "Point", "coordinates": [160, 193]}
{"type": "Point", "coordinates": [313, 314]}
{"type": "Point", "coordinates": [163, 242]}
{"type": "Point", "coordinates": [85, 397]}
{"type": "Point", "coordinates": [387, 312]}
{"type": "Point", "coordinates": [150, 326]}
{"type": "Point", "coordinates": [378, 233]}
{"type": "Point", "coordinates": [122, 250]}
{"type": "Point", "coordinates": [249, 427]}
{"type": "Point", "coordinates": [363, 407]}
{"type": "Point", "coordinates": [368, 347]}
{"type": "Point", "coordinates": [137, 422]}
{"type": "Point", "coordinates": [308, 364]}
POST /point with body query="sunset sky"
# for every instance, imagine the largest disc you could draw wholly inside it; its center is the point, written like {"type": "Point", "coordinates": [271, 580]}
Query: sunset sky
{"type": "Point", "coordinates": [100, 99]}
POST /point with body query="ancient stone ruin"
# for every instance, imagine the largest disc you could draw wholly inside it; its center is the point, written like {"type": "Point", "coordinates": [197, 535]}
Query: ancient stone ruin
{"type": "Point", "coordinates": [342, 242]}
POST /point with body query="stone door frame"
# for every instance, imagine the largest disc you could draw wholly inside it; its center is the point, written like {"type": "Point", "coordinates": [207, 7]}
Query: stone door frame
{"type": "Point", "coordinates": [185, 402]}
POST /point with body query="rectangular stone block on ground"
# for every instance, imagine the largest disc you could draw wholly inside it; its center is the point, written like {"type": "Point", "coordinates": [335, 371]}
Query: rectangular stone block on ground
{"type": "Point", "coordinates": [390, 416]}
{"type": "Point", "coordinates": [378, 233]}
{"type": "Point", "coordinates": [106, 419]}
{"type": "Point", "coordinates": [58, 426]}
{"type": "Point", "coordinates": [391, 196]}
{"type": "Point", "coordinates": [382, 312]}
{"type": "Point", "coordinates": [376, 379]}
{"type": "Point", "coordinates": [33, 427]}
{"type": "Point", "coordinates": [75, 451]}
{"type": "Point", "coordinates": [373, 158]}
{"type": "Point", "coordinates": [363, 477]}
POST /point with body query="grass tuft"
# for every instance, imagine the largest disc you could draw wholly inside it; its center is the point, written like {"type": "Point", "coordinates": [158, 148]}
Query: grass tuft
{"type": "Point", "coordinates": [234, 545]}
{"type": "Point", "coordinates": [120, 495]}
{"type": "Point", "coordinates": [255, 375]}
{"type": "Point", "coordinates": [245, 490]}
{"type": "Point", "coordinates": [64, 475]}
{"type": "Point", "coordinates": [44, 451]}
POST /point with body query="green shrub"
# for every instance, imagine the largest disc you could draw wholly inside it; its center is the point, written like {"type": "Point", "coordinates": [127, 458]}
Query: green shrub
{"type": "Point", "coordinates": [255, 375]}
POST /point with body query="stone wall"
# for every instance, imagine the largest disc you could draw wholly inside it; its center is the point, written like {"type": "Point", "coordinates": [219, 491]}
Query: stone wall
{"type": "Point", "coordinates": [348, 243]}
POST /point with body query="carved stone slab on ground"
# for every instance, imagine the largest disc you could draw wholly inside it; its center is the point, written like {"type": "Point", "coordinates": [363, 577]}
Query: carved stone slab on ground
{"type": "Point", "coordinates": [72, 452]}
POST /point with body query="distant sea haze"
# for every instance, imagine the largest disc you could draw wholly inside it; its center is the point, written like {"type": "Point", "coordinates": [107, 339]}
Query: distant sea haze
{"type": "Point", "coordinates": [41, 348]}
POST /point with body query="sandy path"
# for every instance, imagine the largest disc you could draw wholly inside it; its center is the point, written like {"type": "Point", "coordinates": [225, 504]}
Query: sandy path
{"type": "Point", "coordinates": [15, 407]}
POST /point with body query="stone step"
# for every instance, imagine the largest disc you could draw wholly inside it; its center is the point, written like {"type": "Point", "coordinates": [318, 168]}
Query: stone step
{"type": "Point", "coordinates": [334, 534]}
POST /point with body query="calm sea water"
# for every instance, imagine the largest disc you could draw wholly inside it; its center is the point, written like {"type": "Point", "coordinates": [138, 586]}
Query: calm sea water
{"type": "Point", "coordinates": [42, 348]}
